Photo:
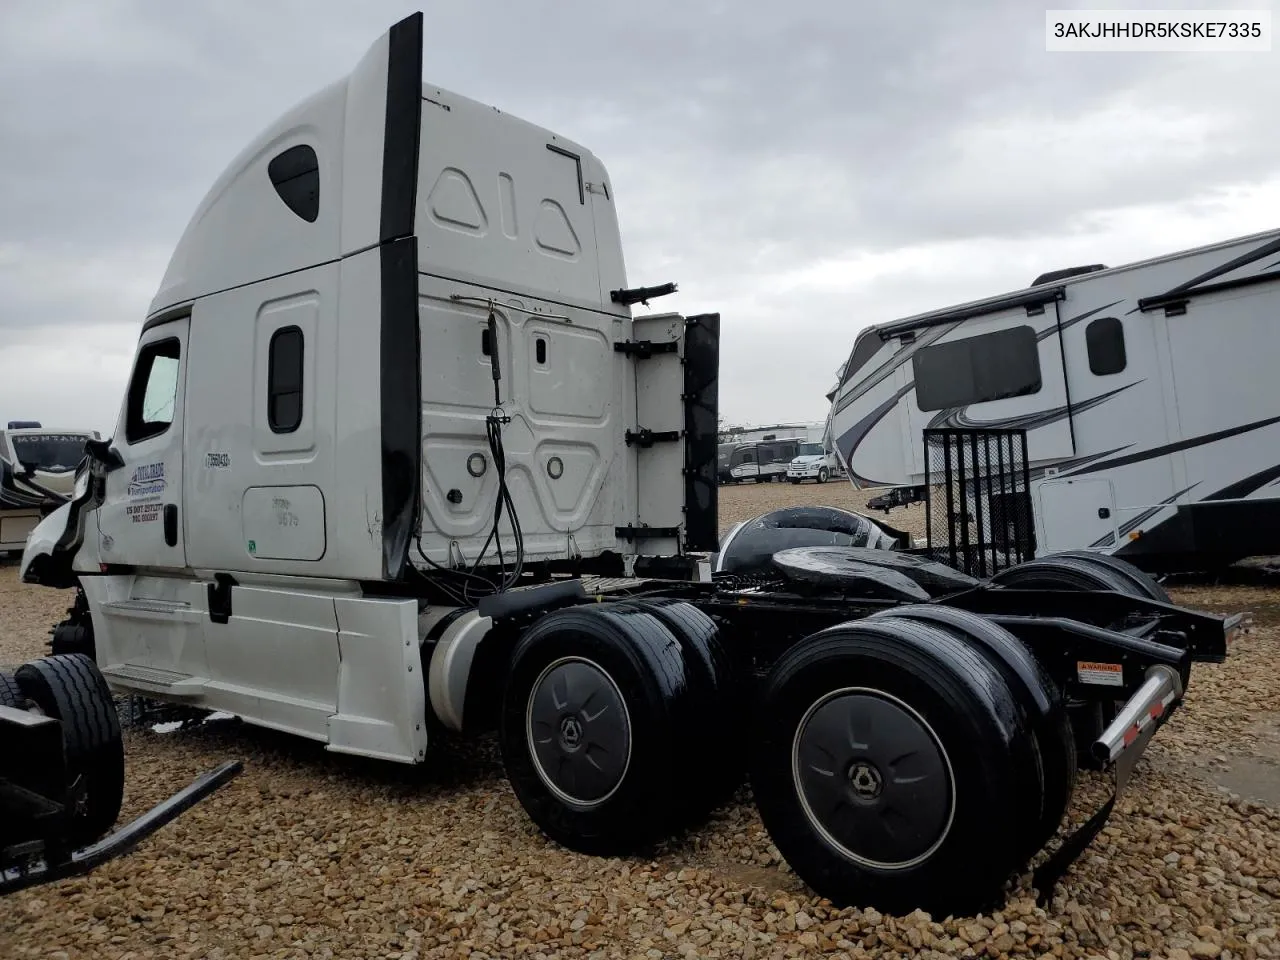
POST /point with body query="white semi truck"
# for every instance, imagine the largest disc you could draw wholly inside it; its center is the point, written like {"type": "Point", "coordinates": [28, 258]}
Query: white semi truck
{"type": "Point", "coordinates": [397, 459]}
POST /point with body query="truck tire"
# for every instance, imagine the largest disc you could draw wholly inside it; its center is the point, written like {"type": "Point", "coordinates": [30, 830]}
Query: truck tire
{"type": "Point", "coordinates": [719, 756]}
{"type": "Point", "coordinates": [628, 667]}
{"type": "Point", "coordinates": [838, 712]}
{"type": "Point", "coordinates": [75, 633]}
{"type": "Point", "coordinates": [1085, 570]}
{"type": "Point", "coordinates": [823, 475]}
{"type": "Point", "coordinates": [10, 692]}
{"type": "Point", "coordinates": [1059, 571]}
{"type": "Point", "coordinates": [70, 688]}
{"type": "Point", "coordinates": [1044, 710]}
{"type": "Point", "coordinates": [1142, 582]}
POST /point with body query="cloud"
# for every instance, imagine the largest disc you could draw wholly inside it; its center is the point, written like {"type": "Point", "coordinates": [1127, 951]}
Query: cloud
{"type": "Point", "coordinates": [804, 169]}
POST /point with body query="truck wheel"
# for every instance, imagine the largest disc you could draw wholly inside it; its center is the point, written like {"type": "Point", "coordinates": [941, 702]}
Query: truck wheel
{"type": "Point", "coordinates": [1142, 584]}
{"type": "Point", "coordinates": [10, 693]}
{"type": "Point", "coordinates": [892, 769]}
{"type": "Point", "coordinates": [1084, 570]}
{"type": "Point", "coordinates": [75, 633]}
{"type": "Point", "coordinates": [596, 711]}
{"type": "Point", "coordinates": [1065, 572]}
{"type": "Point", "coordinates": [1044, 710]}
{"type": "Point", "coordinates": [70, 688]}
{"type": "Point", "coordinates": [718, 765]}
{"type": "Point", "coordinates": [823, 475]}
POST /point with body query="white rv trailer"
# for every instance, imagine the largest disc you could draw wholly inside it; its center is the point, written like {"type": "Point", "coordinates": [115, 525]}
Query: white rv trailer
{"type": "Point", "coordinates": [395, 459]}
{"type": "Point", "coordinates": [37, 468]}
{"type": "Point", "coordinates": [1148, 393]}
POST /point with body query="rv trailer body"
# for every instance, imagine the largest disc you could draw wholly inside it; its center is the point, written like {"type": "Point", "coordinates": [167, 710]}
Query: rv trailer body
{"type": "Point", "coordinates": [37, 470]}
{"type": "Point", "coordinates": [758, 460]}
{"type": "Point", "coordinates": [1151, 417]}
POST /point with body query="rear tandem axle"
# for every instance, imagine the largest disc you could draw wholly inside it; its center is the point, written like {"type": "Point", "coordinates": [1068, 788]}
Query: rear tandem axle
{"type": "Point", "coordinates": [892, 748]}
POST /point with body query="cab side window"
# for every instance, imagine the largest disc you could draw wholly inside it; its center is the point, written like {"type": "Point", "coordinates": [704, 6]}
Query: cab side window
{"type": "Point", "coordinates": [284, 380]}
{"type": "Point", "coordinates": [153, 390]}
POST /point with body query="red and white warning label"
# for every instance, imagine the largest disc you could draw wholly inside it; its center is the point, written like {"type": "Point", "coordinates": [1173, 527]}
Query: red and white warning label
{"type": "Point", "coordinates": [1104, 674]}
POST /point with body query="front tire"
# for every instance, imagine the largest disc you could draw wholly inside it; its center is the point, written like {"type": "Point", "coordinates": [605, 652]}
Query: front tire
{"type": "Point", "coordinates": [891, 771]}
{"type": "Point", "coordinates": [823, 475]}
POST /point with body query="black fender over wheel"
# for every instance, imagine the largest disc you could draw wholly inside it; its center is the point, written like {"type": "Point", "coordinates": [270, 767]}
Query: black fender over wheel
{"type": "Point", "coordinates": [1085, 570]}
{"type": "Point", "coordinates": [891, 769]}
{"type": "Point", "coordinates": [1044, 710]}
{"type": "Point", "coordinates": [70, 688]}
{"type": "Point", "coordinates": [597, 704]}
{"type": "Point", "coordinates": [1082, 570]}
{"type": "Point", "coordinates": [1140, 583]}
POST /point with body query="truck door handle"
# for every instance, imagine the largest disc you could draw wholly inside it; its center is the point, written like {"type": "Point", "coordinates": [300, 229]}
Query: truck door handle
{"type": "Point", "coordinates": [1103, 513]}
{"type": "Point", "coordinates": [171, 524]}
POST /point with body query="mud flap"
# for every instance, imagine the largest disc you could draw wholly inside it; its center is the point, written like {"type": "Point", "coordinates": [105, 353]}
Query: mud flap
{"type": "Point", "coordinates": [1131, 745]}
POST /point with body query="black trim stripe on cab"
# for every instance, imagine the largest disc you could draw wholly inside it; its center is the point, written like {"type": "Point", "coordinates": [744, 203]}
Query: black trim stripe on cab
{"type": "Point", "coordinates": [400, 384]}
{"type": "Point", "coordinates": [403, 128]}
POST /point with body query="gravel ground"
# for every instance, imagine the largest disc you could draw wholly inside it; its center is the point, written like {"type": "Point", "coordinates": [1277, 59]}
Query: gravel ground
{"type": "Point", "coordinates": [309, 854]}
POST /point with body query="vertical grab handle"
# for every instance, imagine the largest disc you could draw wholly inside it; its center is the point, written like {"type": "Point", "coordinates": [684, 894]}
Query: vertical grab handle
{"type": "Point", "coordinates": [171, 524]}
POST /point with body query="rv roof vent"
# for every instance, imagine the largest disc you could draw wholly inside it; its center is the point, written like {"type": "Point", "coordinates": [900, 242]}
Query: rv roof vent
{"type": "Point", "coordinates": [23, 425]}
{"type": "Point", "coordinates": [1053, 275]}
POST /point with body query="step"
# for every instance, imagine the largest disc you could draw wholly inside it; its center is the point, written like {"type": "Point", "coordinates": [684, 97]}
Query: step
{"type": "Point", "coordinates": [154, 679]}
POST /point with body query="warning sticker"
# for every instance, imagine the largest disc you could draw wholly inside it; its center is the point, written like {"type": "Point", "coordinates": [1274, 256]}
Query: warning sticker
{"type": "Point", "coordinates": [1105, 674]}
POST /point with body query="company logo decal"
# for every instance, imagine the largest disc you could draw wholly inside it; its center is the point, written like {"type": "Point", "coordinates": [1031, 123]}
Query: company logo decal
{"type": "Point", "coordinates": [147, 481]}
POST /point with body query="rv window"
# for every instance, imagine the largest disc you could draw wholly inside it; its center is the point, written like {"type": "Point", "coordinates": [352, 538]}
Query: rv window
{"type": "Point", "coordinates": [1104, 338]}
{"type": "Point", "coordinates": [153, 390]}
{"type": "Point", "coordinates": [284, 380]}
{"type": "Point", "coordinates": [296, 176]}
{"type": "Point", "coordinates": [994, 366]}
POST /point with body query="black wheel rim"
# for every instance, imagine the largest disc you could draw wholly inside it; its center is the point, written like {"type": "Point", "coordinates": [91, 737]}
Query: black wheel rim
{"type": "Point", "coordinates": [579, 731]}
{"type": "Point", "coordinates": [873, 778]}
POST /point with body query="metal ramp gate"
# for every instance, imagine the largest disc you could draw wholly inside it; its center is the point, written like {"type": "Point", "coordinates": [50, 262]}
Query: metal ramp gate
{"type": "Point", "coordinates": [977, 499]}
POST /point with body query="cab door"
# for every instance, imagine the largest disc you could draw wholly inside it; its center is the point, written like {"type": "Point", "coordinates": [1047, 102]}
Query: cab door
{"type": "Point", "coordinates": [140, 522]}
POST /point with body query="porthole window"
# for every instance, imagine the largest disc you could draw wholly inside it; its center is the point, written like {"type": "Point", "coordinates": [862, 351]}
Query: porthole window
{"type": "Point", "coordinates": [296, 176]}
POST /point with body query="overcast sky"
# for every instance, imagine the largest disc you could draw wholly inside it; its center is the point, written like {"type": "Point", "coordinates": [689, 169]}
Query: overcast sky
{"type": "Point", "coordinates": [804, 168]}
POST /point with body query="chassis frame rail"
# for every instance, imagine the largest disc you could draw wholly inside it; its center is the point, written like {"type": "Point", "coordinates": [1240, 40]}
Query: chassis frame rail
{"type": "Point", "coordinates": [1151, 644]}
{"type": "Point", "coordinates": [40, 867]}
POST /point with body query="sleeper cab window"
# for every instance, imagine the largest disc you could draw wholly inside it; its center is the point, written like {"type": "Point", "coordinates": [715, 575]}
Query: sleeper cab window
{"type": "Point", "coordinates": [295, 174]}
{"type": "Point", "coordinates": [1104, 339]}
{"type": "Point", "coordinates": [153, 390]}
{"type": "Point", "coordinates": [992, 366]}
{"type": "Point", "coordinates": [284, 380]}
